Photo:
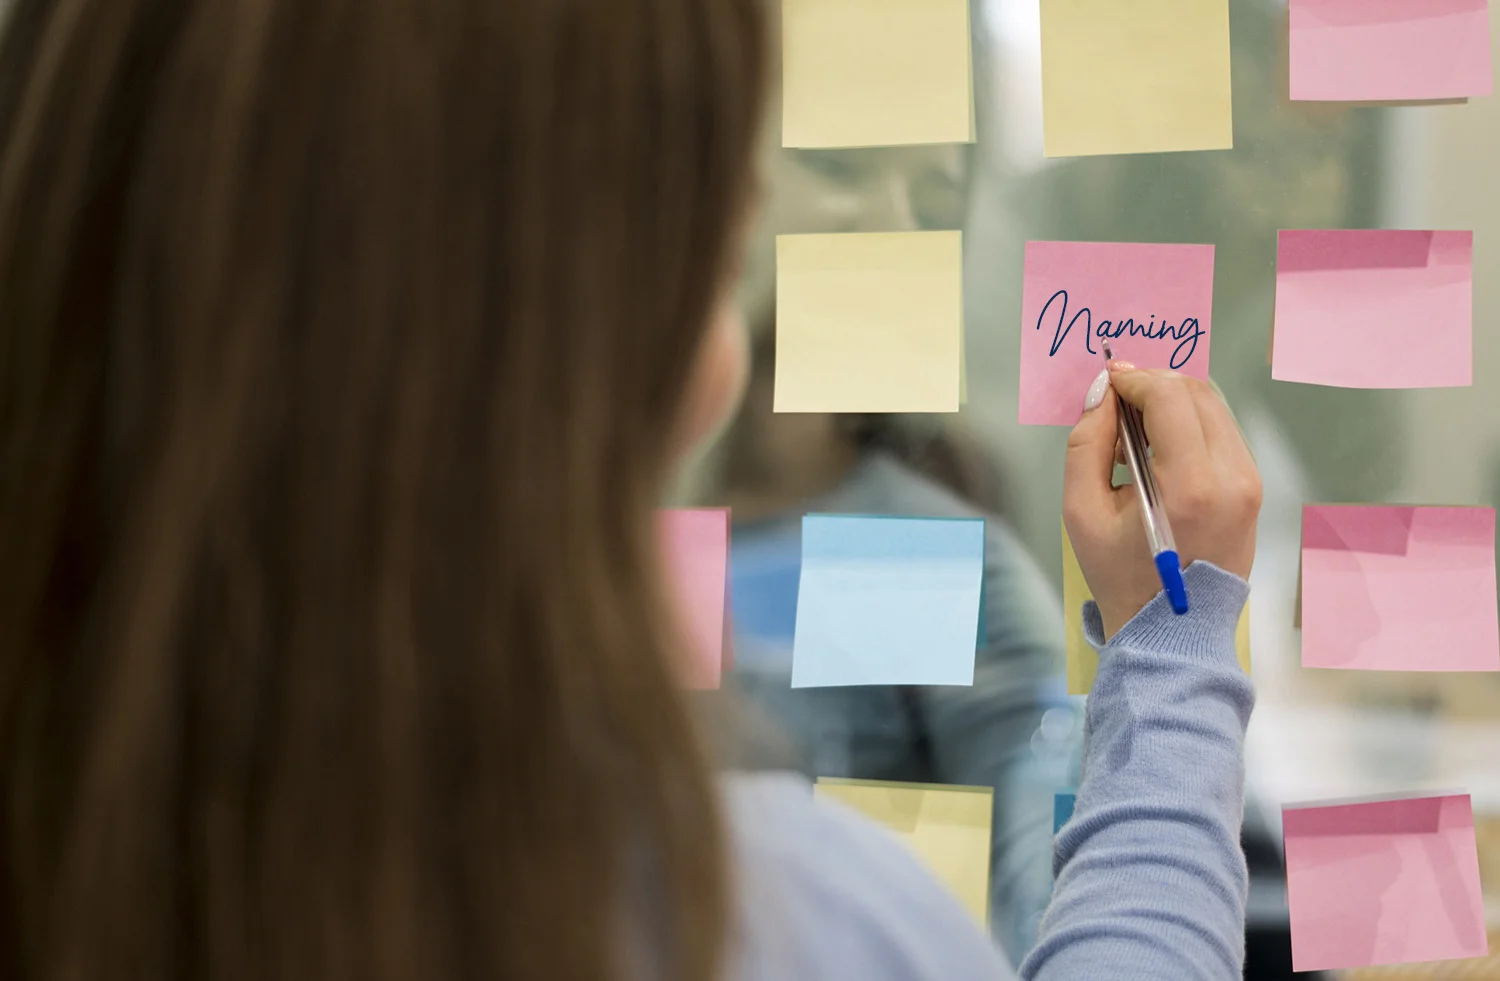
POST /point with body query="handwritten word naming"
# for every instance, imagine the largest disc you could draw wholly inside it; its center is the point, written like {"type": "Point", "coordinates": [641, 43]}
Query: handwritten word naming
{"type": "Point", "coordinates": [1186, 334]}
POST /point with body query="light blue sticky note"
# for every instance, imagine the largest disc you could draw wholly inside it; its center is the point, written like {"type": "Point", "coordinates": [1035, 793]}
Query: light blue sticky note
{"type": "Point", "coordinates": [1062, 809]}
{"type": "Point", "coordinates": [887, 601]}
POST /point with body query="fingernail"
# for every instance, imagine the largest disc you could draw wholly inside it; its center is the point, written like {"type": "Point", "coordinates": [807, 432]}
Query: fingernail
{"type": "Point", "coordinates": [1118, 365]}
{"type": "Point", "coordinates": [1097, 391]}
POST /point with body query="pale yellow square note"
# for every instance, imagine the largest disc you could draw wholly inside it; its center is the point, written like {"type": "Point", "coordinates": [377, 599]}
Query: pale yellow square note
{"type": "Point", "coordinates": [948, 827]}
{"type": "Point", "coordinates": [876, 73]}
{"type": "Point", "coordinates": [1135, 76]}
{"type": "Point", "coordinates": [1082, 660]}
{"type": "Point", "coordinates": [869, 322]}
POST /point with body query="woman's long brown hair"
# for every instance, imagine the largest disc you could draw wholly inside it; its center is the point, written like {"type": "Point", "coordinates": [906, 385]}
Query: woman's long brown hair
{"type": "Point", "coordinates": [341, 343]}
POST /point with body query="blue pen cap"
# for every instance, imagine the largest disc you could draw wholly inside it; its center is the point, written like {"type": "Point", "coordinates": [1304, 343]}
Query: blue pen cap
{"type": "Point", "coordinates": [1169, 567]}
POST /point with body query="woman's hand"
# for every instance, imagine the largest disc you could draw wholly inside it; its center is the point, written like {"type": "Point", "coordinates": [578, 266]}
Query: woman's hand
{"type": "Point", "coordinates": [1208, 482]}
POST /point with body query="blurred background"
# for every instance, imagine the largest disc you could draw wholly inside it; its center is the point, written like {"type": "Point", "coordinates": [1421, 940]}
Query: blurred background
{"type": "Point", "coordinates": [1316, 734]}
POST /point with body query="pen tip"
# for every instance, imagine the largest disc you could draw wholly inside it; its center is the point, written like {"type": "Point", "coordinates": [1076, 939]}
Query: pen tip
{"type": "Point", "coordinates": [1109, 355]}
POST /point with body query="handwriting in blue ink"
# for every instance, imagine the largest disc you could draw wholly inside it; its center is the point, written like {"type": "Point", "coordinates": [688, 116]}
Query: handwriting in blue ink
{"type": "Point", "coordinates": [1186, 334]}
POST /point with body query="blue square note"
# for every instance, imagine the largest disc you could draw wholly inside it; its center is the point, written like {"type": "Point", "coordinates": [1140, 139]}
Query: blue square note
{"type": "Point", "coordinates": [888, 601]}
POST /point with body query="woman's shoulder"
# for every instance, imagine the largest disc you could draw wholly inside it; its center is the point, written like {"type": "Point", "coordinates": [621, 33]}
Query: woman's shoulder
{"type": "Point", "coordinates": [825, 894]}
{"type": "Point", "coordinates": [883, 482]}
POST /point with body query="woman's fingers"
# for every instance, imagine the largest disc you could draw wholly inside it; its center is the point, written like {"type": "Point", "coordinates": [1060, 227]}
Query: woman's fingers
{"type": "Point", "coordinates": [1221, 431]}
{"type": "Point", "coordinates": [1170, 412]}
{"type": "Point", "coordinates": [1208, 483]}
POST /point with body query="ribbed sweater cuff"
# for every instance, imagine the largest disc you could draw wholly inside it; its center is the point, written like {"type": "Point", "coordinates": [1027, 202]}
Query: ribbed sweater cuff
{"type": "Point", "coordinates": [1215, 600]}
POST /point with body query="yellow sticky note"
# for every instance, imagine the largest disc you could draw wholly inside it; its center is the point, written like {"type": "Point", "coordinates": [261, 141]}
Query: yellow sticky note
{"type": "Point", "coordinates": [948, 827]}
{"type": "Point", "coordinates": [869, 322]}
{"type": "Point", "coordinates": [1081, 658]}
{"type": "Point", "coordinates": [876, 73]}
{"type": "Point", "coordinates": [1135, 76]}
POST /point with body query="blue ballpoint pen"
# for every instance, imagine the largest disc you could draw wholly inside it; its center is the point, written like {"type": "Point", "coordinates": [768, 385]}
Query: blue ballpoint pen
{"type": "Point", "coordinates": [1158, 530]}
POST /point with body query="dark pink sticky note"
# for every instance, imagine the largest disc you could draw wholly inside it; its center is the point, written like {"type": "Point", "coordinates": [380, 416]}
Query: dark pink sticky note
{"type": "Point", "coordinates": [1383, 882]}
{"type": "Point", "coordinates": [1389, 50]}
{"type": "Point", "coordinates": [695, 545]}
{"type": "Point", "coordinates": [1374, 309]}
{"type": "Point", "coordinates": [1154, 303]}
{"type": "Point", "coordinates": [1399, 588]}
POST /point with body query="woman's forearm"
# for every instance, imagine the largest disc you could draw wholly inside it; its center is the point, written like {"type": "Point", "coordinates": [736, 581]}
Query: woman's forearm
{"type": "Point", "coordinates": [1151, 880]}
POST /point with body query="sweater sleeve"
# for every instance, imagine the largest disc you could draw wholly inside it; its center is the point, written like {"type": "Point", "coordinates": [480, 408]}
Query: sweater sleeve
{"type": "Point", "coordinates": [1151, 880]}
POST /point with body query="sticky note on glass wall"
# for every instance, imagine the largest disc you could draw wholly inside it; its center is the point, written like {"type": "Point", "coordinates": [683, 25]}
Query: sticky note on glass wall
{"type": "Point", "coordinates": [1080, 658]}
{"type": "Point", "coordinates": [1389, 50]}
{"type": "Point", "coordinates": [695, 546]}
{"type": "Point", "coordinates": [1374, 309]}
{"type": "Point", "coordinates": [1144, 76]}
{"type": "Point", "coordinates": [948, 827]}
{"type": "Point", "coordinates": [1391, 588]}
{"type": "Point", "coordinates": [1063, 803]}
{"type": "Point", "coordinates": [869, 322]}
{"type": "Point", "coordinates": [861, 73]}
{"type": "Point", "coordinates": [1153, 302]}
{"type": "Point", "coordinates": [888, 601]}
{"type": "Point", "coordinates": [1383, 882]}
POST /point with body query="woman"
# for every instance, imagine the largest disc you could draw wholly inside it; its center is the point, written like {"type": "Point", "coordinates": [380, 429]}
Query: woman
{"type": "Point", "coordinates": [347, 349]}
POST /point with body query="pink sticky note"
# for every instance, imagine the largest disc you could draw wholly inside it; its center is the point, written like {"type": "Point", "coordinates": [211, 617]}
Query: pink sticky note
{"type": "Point", "coordinates": [1389, 50]}
{"type": "Point", "coordinates": [1374, 309]}
{"type": "Point", "coordinates": [1383, 882]}
{"type": "Point", "coordinates": [1153, 302]}
{"type": "Point", "coordinates": [1399, 588]}
{"type": "Point", "coordinates": [695, 543]}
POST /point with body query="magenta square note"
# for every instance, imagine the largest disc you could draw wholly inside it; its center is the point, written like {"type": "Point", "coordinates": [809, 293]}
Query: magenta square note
{"type": "Point", "coordinates": [695, 545]}
{"type": "Point", "coordinates": [1389, 50]}
{"type": "Point", "coordinates": [1399, 588]}
{"type": "Point", "coordinates": [1383, 882]}
{"type": "Point", "coordinates": [1374, 309]}
{"type": "Point", "coordinates": [1154, 303]}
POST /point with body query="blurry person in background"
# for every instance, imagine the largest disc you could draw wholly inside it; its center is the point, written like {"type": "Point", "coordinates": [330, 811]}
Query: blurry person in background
{"type": "Point", "coordinates": [1015, 730]}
